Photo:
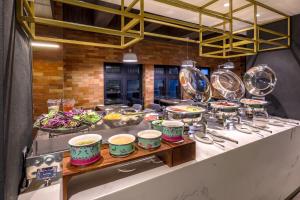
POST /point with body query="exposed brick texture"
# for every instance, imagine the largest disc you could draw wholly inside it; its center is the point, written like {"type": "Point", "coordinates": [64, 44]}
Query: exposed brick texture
{"type": "Point", "coordinates": [148, 84]}
{"type": "Point", "coordinates": [79, 69]}
{"type": "Point", "coordinates": [47, 78]}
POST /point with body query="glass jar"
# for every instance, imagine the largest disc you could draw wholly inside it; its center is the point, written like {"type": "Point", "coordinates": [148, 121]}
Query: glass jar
{"type": "Point", "coordinates": [53, 105]}
{"type": "Point", "coordinates": [260, 118]}
{"type": "Point", "coordinates": [68, 105]}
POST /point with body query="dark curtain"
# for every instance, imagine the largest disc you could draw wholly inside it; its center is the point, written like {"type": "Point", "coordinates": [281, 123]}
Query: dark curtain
{"type": "Point", "coordinates": [16, 101]}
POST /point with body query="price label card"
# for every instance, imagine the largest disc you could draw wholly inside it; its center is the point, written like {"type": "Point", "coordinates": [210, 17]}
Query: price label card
{"type": "Point", "coordinates": [46, 173]}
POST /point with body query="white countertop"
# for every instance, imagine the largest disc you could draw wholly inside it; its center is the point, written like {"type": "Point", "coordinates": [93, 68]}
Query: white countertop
{"type": "Point", "coordinates": [91, 186]}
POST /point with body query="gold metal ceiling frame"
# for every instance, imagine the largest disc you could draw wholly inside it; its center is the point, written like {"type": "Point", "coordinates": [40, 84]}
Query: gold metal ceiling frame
{"type": "Point", "coordinates": [26, 17]}
{"type": "Point", "coordinates": [228, 43]}
{"type": "Point", "coordinates": [231, 44]}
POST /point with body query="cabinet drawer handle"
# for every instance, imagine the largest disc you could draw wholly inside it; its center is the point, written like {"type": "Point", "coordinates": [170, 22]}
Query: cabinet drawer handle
{"type": "Point", "coordinates": [155, 161]}
{"type": "Point", "coordinates": [126, 170]}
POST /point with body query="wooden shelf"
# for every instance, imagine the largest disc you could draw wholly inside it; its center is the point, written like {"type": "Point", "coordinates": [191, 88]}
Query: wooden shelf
{"type": "Point", "coordinates": [107, 160]}
{"type": "Point", "coordinates": [171, 154]}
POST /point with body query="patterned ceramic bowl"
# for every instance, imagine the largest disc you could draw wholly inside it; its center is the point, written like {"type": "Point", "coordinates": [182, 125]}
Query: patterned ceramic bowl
{"type": "Point", "coordinates": [172, 131]}
{"type": "Point", "coordinates": [85, 149]}
{"type": "Point", "coordinates": [157, 125]}
{"type": "Point", "coordinates": [149, 139]}
{"type": "Point", "coordinates": [121, 145]}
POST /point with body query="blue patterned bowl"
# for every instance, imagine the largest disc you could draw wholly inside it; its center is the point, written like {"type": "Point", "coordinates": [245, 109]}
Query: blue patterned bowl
{"type": "Point", "coordinates": [85, 149]}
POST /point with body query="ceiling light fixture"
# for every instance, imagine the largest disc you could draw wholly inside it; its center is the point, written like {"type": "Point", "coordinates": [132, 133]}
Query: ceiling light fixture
{"type": "Point", "coordinates": [188, 62]}
{"type": "Point", "coordinates": [257, 15]}
{"type": "Point", "coordinates": [226, 4]}
{"type": "Point", "coordinates": [227, 65]}
{"type": "Point", "coordinates": [44, 45]}
{"type": "Point", "coordinates": [130, 57]}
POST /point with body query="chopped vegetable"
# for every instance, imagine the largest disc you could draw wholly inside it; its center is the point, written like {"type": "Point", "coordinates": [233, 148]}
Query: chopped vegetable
{"type": "Point", "coordinates": [113, 116]}
{"type": "Point", "coordinates": [54, 120]}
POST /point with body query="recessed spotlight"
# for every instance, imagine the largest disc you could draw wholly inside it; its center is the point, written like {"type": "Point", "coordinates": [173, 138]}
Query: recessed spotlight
{"type": "Point", "coordinates": [226, 4]}
{"type": "Point", "coordinates": [45, 45]}
{"type": "Point", "coordinates": [257, 15]}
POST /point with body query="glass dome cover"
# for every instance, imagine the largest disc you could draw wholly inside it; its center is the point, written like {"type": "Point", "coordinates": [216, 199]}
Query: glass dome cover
{"type": "Point", "coordinates": [228, 84]}
{"type": "Point", "coordinates": [195, 83]}
{"type": "Point", "coordinates": [260, 80]}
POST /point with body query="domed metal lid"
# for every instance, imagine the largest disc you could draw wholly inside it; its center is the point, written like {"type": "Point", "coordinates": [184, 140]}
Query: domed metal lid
{"type": "Point", "coordinates": [260, 80]}
{"type": "Point", "coordinates": [228, 84]}
{"type": "Point", "coordinates": [195, 83]}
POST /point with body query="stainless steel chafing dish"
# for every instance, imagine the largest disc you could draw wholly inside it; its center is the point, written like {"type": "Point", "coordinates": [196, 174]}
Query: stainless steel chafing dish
{"type": "Point", "coordinates": [250, 106]}
{"type": "Point", "coordinates": [229, 86]}
{"type": "Point", "coordinates": [185, 112]}
{"type": "Point", "coordinates": [259, 81]}
{"type": "Point", "coordinates": [197, 85]}
{"type": "Point", "coordinates": [225, 112]}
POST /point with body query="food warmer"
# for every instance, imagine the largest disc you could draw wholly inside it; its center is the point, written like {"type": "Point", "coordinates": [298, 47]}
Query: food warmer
{"type": "Point", "coordinates": [197, 85]}
{"type": "Point", "coordinates": [230, 87]}
{"type": "Point", "coordinates": [259, 81]}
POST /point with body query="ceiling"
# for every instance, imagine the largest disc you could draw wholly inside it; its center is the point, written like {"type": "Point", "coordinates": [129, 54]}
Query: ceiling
{"type": "Point", "coordinates": [290, 7]}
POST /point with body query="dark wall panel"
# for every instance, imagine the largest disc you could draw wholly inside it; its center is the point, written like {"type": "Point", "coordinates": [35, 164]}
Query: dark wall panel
{"type": "Point", "coordinates": [286, 96]}
{"type": "Point", "coordinates": [17, 100]}
{"type": "Point", "coordinates": [1, 102]}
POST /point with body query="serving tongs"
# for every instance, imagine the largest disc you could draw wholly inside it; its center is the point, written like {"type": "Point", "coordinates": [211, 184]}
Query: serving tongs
{"type": "Point", "coordinates": [285, 120]}
{"type": "Point", "coordinates": [209, 139]}
{"type": "Point", "coordinates": [247, 129]}
{"type": "Point", "coordinates": [256, 127]}
{"type": "Point", "coordinates": [218, 135]}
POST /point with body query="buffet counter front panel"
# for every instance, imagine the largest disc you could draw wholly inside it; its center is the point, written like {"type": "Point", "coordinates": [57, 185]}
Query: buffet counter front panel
{"type": "Point", "coordinates": [256, 168]}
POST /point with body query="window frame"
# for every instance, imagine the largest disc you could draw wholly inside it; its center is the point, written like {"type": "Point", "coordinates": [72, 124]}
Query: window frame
{"type": "Point", "coordinates": [209, 71]}
{"type": "Point", "coordinates": [166, 77]}
{"type": "Point", "coordinates": [123, 76]}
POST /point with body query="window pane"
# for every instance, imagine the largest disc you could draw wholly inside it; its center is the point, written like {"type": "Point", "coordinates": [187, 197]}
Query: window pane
{"type": "Point", "coordinates": [205, 71]}
{"type": "Point", "coordinates": [133, 69]}
{"type": "Point", "coordinates": [173, 88]}
{"type": "Point", "coordinates": [133, 91]}
{"type": "Point", "coordinates": [113, 92]}
{"type": "Point", "coordinates": [173, 70]}
{"type": "Point", "coordinates": [159, 88]}
{"type": "Point", "coordinates": [159, 70]}
{"type": "Point", "coordinates": [112, 69]}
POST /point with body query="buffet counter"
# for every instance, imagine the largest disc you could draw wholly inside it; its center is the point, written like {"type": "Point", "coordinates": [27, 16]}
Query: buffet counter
{"type": "Point", "coordinates": [255, 168]}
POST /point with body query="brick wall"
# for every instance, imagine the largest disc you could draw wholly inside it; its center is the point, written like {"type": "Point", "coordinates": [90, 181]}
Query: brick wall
{"type": "Point", "coordinates": [148, 84]}
{"type": "Point", "coordinates": [83, 77]}
{"type": "Point", "coordinates": [47, 78]}
{"type": "Point", "coordinates": [79, 69]}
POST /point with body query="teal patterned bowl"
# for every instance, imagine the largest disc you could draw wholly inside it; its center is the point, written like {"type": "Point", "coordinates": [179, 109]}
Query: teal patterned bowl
{"type": "Point", "coordinates": [85, 149]}
{"type": "Point", "coordinates": [121, 145]}
{"type": "Point", "coordinates": [149, 139]}
{"type": "Point", "coordinates": [156, 125]}
{"type": "Point", "coordinates": [172, 130]}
